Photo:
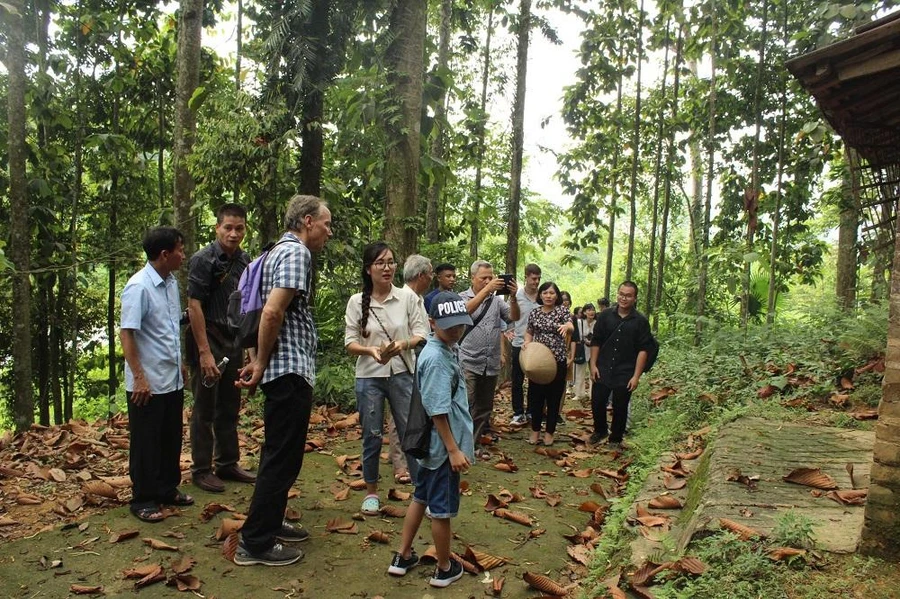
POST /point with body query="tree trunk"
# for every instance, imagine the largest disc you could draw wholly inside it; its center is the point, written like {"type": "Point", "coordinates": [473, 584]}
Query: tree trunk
{"type": "Point", "coordinates": [656, 175]}
{"type": "Point", "coordinates": [610, 239]}
{"type": "Point", "coordinates": [667, 193]}
{"type": "Point", "coordinates": [405, 58]}
{"type": "Point", "coordinates": [312, 136]}
{"type": "Point", "coordinates": [779, 192]}
{"type": "Point", "coordinates": [751, 197]}
{"type": "Point", "coordinates": [474, 229]}
{"type": "Point", "coordinates": [432, 228]}
{"type": "Point", "coordinates": [518, 137]}
{"type": "Point", "coordinates": [190, 28]}
{"type": "Point", "coordinates": [635, 143]}
{"type": "Point", "coordinates": [20, 235]}
{"type": "Point", "coordinates": [881, 527]}
{"type": "Point", "coordinates": [845, 289]}
{"type": "Point", "coordinates": [710, 176]}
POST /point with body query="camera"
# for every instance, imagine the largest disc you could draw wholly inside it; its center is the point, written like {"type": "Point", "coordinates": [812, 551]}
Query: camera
{"type": "Point", "coordinates": [507, 279]}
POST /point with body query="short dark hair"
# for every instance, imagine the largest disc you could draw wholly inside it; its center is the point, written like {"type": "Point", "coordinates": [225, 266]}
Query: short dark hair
{"type": "Point", "coordinates": [631, 284]}
{"type": "Point", "coordinates": [567, 295]}
{"type": "Point", "coordinates": [546, 285]}
{"type": "Point", "coordinates": [230, 209]}
{"type": "Point", "coordinates": [533, 269]}
{"type": "Point", "coordinates": [588, 306]}
{"type": "Point", "coordinates": [603, 302]}
{"type": "Point", "coordinates": [442, 267]}
{"type": "Point", "coordinates": [159, 239]}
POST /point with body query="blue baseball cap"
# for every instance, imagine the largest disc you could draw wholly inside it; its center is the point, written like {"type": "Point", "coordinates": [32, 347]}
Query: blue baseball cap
{"type": "Point", "coordinates": [448, 310]}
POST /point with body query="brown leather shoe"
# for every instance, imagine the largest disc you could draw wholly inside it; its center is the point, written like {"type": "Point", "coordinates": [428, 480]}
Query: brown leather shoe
{"type": "Point", "coordinates": [236, 473]}
{"type": "Point", "coordinates": [209, 482]}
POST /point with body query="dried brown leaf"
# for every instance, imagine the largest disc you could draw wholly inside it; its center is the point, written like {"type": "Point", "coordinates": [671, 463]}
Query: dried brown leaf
{"type": "Point", "coordinates": [28, 499]}
{"type": "Point", "coordinates": [690, 455]}
{"type": "Point", "coordinates": [83, 589]}
{"type": "Point", "coordinates": [159, 545]}
{"type": "Point", "coordinates": [183, 565]}
{"type": "Point", "coordinates": [229, 548]}
{"type": "Point", "coordinates": [394, 511]}
{"type": "Point", "coordinates": [227, 527]}
{"type": "Point", "coordinates": [497, 586]}
{"type": "Point", "coordinates": [512, 516]}
{"type": "Point", "coordinates": [598, 489]}
{"type": "Point", "coordinates": [339, 525]}
{"type": "Point", "coordinates": [483, 560]}
{"type": "Point", "coordinates": [672, 483]}
{"type": "Point", "coordinates": [544, 584]}
{"type": "Point", "coordinates": [690, 565]}
{"type": "Point", "coordinates": [379, 536]}
{"type": "Point", "coordinates": [398, 495]}
{"type": "Point", "coordinates": [211, 509]}
{"type": "Point", "coordinates": [744, 532]}
{"type": "Point", "coordinates": [848, 496]}
{"type": "Point", "coordinates": [58, 475]}
{"type": "Point", "coordinates": [124, 535]}
{"type": "Point", "coordinates": [781, 553]}
{"type": "Point", "coordinates": [580, 553]}
{"type": "Point", "coordinates": [100, 488]}
{"type": "Point", "coordinates": [665, 502]}
{"type": "Point", "coordinates": [810, 477]}
{"type": "Point", "coordinates": [493, 502]}
{"type": "Point", "coordinates": [589, 506]}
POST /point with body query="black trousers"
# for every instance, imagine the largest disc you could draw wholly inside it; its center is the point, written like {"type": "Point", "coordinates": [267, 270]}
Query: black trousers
{"type": "Point", "coordinates": [518, 382]}
{"type": "Point", "coordinates": [286, 416]}
{"type": "Point", "coordinates": [620, 398]}
{"type": "Point", "coordinates": [214, 420]}
{"type": "Point", "coordinates": [549, 395]}
{"type": "Point", "coordinates": [154, 452]}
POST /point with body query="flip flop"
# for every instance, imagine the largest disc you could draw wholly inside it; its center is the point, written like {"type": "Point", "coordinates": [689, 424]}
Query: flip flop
{"type": "Point", "coordinates": [402, 479]}
{"type": "Point", "coordinates": [180, 499]}
{"type": "Point", "coordinates": [148, 514]}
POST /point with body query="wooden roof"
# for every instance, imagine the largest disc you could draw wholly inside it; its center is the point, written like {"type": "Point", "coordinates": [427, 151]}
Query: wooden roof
{"type": "Point", "coordinates": [856, 83]}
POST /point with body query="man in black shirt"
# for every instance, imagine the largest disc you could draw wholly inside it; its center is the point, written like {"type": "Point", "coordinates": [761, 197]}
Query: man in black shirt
{"type": "Point", "coordinates": [213, 275]}
{"type": "Point", "coordinates": [619, 350]}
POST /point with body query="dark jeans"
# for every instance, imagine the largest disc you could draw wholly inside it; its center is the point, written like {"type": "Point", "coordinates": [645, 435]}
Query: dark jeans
{"type": "Point", "coordinates": [549, 396]}
{"type": "Point", "coordinates": [286, 418]}
{"type": "Point", "coordinates": [154, 453]}
{"type": "Point", "coordinates": [480, 388]}
{"type": "Point", "coordinates": [214, 419]}
{"type": "Point", "coordinates": [518, 382]}
{"type": "Point", "coordinates": [599, 399]}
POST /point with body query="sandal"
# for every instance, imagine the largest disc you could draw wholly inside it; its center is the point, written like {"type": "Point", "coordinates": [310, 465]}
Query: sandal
{"type": "Point", "coordinates": [150, 513]}
{"type": "Point", "coordinates": [180, 499]}
{"type": "Point", "coordinates": [403, 479]}
{"type": "Point", "coordinates": [548, 440]}
{"type": "Point", "coordinates": [533, 438]}
{"type": "Point", "coordinates": [371, 506]}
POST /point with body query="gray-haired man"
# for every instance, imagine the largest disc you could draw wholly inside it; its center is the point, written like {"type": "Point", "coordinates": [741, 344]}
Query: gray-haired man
{"type": "Point", "coordinates": [479, 349]}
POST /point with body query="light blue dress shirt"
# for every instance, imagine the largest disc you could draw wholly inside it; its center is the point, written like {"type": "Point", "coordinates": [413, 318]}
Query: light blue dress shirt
{"type": "Point", "coordinates": [151, 307]}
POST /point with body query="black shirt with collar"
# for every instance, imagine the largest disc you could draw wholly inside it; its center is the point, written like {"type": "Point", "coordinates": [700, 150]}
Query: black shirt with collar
{"type": "Point", "coordinates": [212, 276]}
{"type": "Point", "coordinates": [620, 340]}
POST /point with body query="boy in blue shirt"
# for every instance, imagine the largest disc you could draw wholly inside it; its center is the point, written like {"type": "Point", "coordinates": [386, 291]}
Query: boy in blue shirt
{"type": "Point", "coordinates": [452, 447]}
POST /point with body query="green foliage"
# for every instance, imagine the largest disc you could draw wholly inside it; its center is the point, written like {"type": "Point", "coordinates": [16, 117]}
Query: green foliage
{"type": "Point", "coordinates": [793, 529]}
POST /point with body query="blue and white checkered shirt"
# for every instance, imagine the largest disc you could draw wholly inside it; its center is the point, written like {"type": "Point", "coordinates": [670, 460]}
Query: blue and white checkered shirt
{"type": "Point", "coordinates": [289, 266]}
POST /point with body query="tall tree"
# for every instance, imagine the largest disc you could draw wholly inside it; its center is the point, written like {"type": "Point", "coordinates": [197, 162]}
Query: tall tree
{"type": "Point", "coordinates": [635, 145]}
{"type": "Point", "coordinates": [432, 228]}
{"type": "Point", "coordinates": [710, 177]}
{"type": "Point", "coordinates": [405, 59]}
{"type": "Point", "coordinates": [475, 226]}
{"type": "Point", "coordinates": [518, 136]}
{"type": "Point", "coordinates": [190, 29]}
{"type": "Point", "coordinates": [20, 235]}
{"type": "Point", "coordinates": [779, 189]}
{"type": "Point", "coordinates": [845, 288]}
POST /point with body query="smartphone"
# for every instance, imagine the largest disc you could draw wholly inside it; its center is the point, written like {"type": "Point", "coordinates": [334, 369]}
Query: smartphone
{"type": "Point", "coordinates": [507, 279]}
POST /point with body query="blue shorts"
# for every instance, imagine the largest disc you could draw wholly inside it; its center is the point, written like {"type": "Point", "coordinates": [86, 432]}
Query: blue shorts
{"type": "Point", "coordinates": [439, 490]}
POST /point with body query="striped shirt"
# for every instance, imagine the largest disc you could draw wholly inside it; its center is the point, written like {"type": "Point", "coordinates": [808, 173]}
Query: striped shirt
{"type": "Point", "coordinates": [289, 266]}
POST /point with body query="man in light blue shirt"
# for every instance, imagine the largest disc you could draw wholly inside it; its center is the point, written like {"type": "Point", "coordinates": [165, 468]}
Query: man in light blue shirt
{"type": "Point", "coordinates": [154, 376]}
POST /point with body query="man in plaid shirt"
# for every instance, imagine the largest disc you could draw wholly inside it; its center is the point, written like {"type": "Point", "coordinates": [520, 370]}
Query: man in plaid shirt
{"type": "Point", "coordinates": [285, 367]}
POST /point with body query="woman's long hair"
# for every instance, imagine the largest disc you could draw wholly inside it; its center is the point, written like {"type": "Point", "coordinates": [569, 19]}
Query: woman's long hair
{"type": "Point", "coordinates": [370, 254]}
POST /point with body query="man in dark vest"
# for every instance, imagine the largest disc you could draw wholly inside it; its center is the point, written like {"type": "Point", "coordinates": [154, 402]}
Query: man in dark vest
{"type": "Point", "coordinates": [213, 274]}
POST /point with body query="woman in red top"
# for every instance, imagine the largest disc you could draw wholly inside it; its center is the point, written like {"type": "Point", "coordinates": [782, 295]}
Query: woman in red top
{"type": "Point", "coordinates": [548, 325]}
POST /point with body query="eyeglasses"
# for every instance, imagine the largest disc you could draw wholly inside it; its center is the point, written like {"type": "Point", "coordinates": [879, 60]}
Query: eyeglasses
{"type": "Point", "coordinates": [384, 265]}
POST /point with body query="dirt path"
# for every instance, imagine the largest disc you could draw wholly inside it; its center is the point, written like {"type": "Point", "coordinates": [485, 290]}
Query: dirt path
{"type": "Point", "coordinates": [338, 565]}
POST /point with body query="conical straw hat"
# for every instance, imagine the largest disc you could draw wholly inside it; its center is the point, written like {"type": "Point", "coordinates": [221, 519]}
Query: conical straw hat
{"type": "Point", "coordinates": [538, 363]}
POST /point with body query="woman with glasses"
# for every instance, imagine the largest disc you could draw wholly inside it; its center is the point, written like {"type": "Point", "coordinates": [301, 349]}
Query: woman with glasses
{"type": "Point", "coordinates": [383, 324]}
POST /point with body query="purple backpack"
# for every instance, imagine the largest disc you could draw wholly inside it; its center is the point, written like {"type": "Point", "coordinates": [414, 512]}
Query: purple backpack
{"type": "Point", "coordinates": [245, 304]}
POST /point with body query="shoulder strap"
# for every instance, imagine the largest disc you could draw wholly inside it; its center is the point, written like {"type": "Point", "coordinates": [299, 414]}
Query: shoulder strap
{"type": "Point", "coordinates": [484, 309]}
{"type": "Point", "coordinates": [388, 335]}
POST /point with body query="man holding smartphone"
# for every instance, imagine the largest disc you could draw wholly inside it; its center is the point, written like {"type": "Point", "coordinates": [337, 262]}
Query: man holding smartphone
{"type": "Point", "coordinates": [479, 348]}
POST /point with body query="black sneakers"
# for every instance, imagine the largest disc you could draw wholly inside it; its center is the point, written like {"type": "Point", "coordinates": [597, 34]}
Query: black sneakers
{"type": "Point", "coordinates": [597, 437]}
{"type": "Point", "coordinates": [278, 555]}
{"type": "Point", "coordinates": [401, 565]}
{"type": "Point", "coordinates": [444, 578]}
{"type": "Point", "coordinates": [291, 533]}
